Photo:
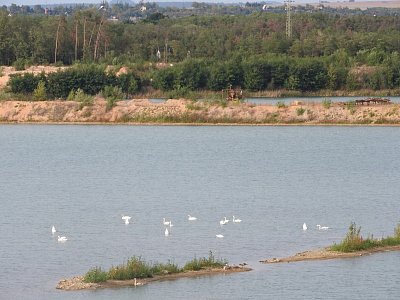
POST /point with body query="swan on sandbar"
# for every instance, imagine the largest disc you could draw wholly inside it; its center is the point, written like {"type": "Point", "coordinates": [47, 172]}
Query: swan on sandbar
{"type": "Point", "coordinates": [53, 230]}
{"type": "Point", "coordinates": [62, 239]}
{"type": "Point", "coordinates": [304, 226]}
{"type": "Point", "coordinates": [220, 236]}
{"type": "Point", "coordinates": [236, 220]}
{"type": "Point", "coordinates": [165, 222]}
{"type": "Point", "coordinates": [190, 218]}
{"type": "Point", "coordinates": [126, 219]}
{"type": "Point", "coordinates": [322, 227]}
{"type": "Point", "coordinates": [166, 232]}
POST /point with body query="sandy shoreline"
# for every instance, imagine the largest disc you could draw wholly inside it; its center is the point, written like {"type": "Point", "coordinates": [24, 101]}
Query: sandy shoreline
{"type": "Point", "coordinates": [183, 112]}
{"type": "Point", "coordinates": [76, 283]}
{"type": "Point", "coordinates": [203, 124]}
{"type": "Point", "coordinates": [325, 253]}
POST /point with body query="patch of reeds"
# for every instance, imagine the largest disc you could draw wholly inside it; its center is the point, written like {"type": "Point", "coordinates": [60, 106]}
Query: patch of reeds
{"type": "Point", "coordinates": [355, 242]}
{"type": "Point", "coordinates": [137, 267]}
{"type": "Point", "coordinates": [96, 274]}
{"type": "Point", "coordinates": [197, 264]}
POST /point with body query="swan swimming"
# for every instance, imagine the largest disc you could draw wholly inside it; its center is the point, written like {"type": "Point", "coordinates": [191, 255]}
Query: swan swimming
{"type": "Point", "coordinates": [190, 218]}
{"type": "Point", "coordinates": [226, 220]}
{"type": "Point", "coordinates": [166, 222]}
{"type": "Point", "coordinates": [62, 239]}
{"type": "Point", "coordinates": [53, 230]}
{"type": "Point", "coordinates": [236, 220]}
{"type": "Point", "coordinates": [166, 232]}
{"type": "Point", "coordinates": [322, 227]}
{"type": "Point", "coordinates": [222, 222]}
{"type": "Point", "coordinates": [220, 236]}
{"type": "Point", "coordinates": [304, 226]}
{"type": "Point", "coordinates": [126, 219]}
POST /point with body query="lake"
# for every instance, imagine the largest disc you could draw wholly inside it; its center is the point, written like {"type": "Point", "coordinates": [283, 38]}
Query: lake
{"type": "Point", "coordinates": [82, 178]}
{"type": "Point", "coordinates": [289, 100]}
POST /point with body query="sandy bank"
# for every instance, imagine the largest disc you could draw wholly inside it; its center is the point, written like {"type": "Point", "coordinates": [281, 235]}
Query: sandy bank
{"type": "Point", "coordinates": [76, 283]}
{"type": "Point", "coordinates": [142, 111]}
{"type": "Point", "coordinates": [323, 254]}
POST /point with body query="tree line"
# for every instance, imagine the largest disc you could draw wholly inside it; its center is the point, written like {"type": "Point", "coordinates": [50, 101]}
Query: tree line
{"type": "Point", "coordinates": [211, 52]}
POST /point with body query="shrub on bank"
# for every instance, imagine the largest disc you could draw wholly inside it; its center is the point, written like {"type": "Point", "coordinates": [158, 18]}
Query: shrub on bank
{"type": "Point", "coordinates": [40, 92]}
{"type": "Point", "coordinates": [25, 83]}
{"type": "Point", "coordinates": [89, 79]}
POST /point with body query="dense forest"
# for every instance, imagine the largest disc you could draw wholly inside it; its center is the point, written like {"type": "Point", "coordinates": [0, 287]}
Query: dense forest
{"type": "Point", "coordinates": [327, 50]}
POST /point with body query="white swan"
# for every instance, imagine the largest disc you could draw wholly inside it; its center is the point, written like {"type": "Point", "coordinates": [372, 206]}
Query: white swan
{"type": "Point", "coordinates": [190, 218]}
{"type": "Point", "coordinates": [62, 239]}
{"type": "Point", "coordinates": [126, 219]}
{"type": "Point", "coordinates": [166, 232]}
{"type": "Point", "coordinates": [304, 226]}
{"type": "Point", "coordinates": [226, 220]}
{"type": "Point", "coordinates": [236, 220]}
{"type": "Point", "coordinates": [322, 227]}
{"type": "Point", "coordinates": [165, 222]}
{"type": "Point", "coordinates": [222, 222]}
{"type": "Point", "coordinates": [53, 230]}
{"type": "Point", "coordinates": [220, 236]}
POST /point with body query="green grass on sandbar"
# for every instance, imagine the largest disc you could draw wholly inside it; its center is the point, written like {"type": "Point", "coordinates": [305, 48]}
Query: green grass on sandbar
{"type": "Point", "coordinates": [137, 267]}
{"type": "Point", "coordinates": [355, 242]}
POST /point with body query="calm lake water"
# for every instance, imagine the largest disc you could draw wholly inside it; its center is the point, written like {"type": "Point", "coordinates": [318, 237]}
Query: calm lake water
{"type": "Point", "coordinates": [288, 100]}
{"type": "Point", "coordinates": [82, 178]}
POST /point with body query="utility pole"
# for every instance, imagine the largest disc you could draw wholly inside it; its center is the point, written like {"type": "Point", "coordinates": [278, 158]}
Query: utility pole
{"type": "Point", "coordinates": [289, 18]}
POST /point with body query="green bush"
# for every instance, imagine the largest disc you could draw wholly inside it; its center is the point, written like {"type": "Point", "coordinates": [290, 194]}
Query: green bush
{"type": "Point", "coordinates": [25, 83]}
{"type": "Point", "coordinates": [192, 75]}
{"type": "Point", "coordinates": [80, 96]}
{"type": "Point", "coordinates": [300, 111]}
{"type": "Point", "coordinates": [40, 92]}
{"type": "Point", "coordinates": [90, 79]}
{"type": "Point", "coordinates": [164, 79]}
{"type": "Point", "coordinates": [20, 64]}
{"type": "Point", "coordinates": [129, 83]}
{"type": "Point", "coordinates": [95, 275]}
{"type": "Point", "coordinates": [280, 104]}
{"type": "Point", "coordinates": [112, 94]}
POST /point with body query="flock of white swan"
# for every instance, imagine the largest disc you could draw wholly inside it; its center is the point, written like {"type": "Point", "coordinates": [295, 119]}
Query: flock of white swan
{"type": "Point", "coordinates": [168, 224]}
{"type": "Point", "coordinates": [319, 227]}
